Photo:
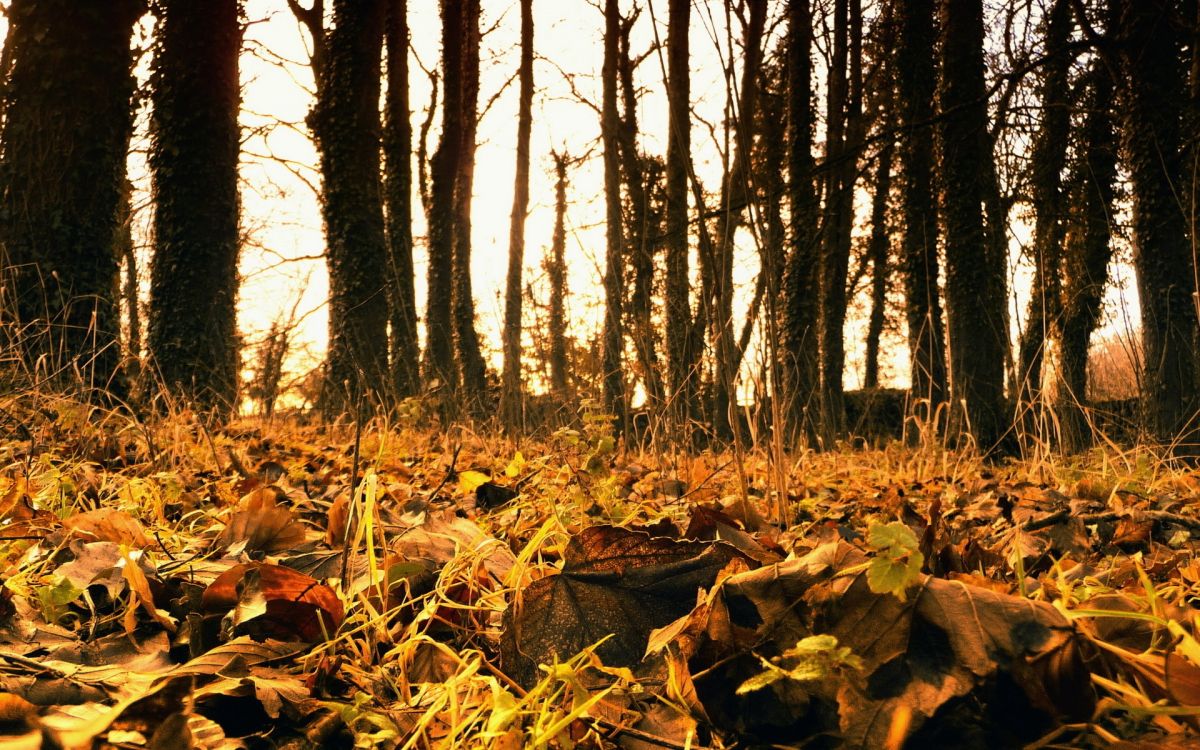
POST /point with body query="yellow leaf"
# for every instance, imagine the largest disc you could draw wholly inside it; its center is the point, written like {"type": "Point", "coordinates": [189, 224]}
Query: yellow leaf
{"type": "Point", "coordinates": [469, 481]}
{"type": "Point", "coordinates": [515, 466]}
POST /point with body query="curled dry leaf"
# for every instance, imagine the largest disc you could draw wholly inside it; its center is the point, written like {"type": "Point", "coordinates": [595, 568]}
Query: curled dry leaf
{"type": "Point", "coordinates": [280, 602]}
{"type": "Point", "coordinates": [616, 584]}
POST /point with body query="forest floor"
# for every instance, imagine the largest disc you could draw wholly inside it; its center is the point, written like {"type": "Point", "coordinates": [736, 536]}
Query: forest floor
{"type": "Point", "coordinates": [165, 586]}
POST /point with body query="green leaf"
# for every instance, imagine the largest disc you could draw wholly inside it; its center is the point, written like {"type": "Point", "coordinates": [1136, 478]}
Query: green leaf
{"type": "Point", "coordinates": [768, 676]}
{"type": "Point", "coordinates": [893, 575]}
{"type": "Point", "coordinates": [894, 538]}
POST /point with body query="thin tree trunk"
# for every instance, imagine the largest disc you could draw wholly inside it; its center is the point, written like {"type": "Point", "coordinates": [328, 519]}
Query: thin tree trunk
{"type": "Point", "coordinates": [800, 316]}
{"type": "Point", "coordinates": [444, 169]}
{"type": "Point", "coordinates": [397, 154]}
{"type": "Point", "coordinates": [641, 252]}
{"type": "Point", "coordinates": [1046, 166]}
{"type": "Point", "coordinates": [739, 185]}
{"type": "Point", "coordinates": [613, 334]}
{"type": "Point", "coordinates": [877, 251]}
{"type": "Point", "coordinates": [678, 316]}
{"type": "Point", "coordinates": [556, 271]}
{"type": "Point", "coordinates": [471, 365]}
{"type": "Point", "coordinates": [511, 388]}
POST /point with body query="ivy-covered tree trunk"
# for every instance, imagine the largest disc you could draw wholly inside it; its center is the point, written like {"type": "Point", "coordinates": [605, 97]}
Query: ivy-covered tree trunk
{"type": "Point", "coordinates": [915, 82]}
{"type": "Point", "coordinates": [1152, 103]}
{"type": "Point", "coordinates": [973, 291]}
{"type": "Point", "coordinates": [1088, 250]}
{"type": "Point", "coordinates": [62, 156]}
{"type": "Point", "coordinates": [801, 374]}
{"type": "Point", "coordinates": [613, 337]}
{"type": "Point", "coordinates": [1046, 165]}
{"type": "Point", "coordinates": [844, 118]}
{"type": "Point", "coordinates": [194, 161]}
{"type": "Point", "coordinates": [443, 181]}
{"type": "Point", "coordinates": [397, 155]}
{"type": "Point", "coordinates": [470, 359]}
{"type": "Point", "coordinates": [556, 274]}
{"type": "Point", "coordinates": [347, 127]}
{"type": "Point", "coordinates": [511, 385]}
{"type": "Point", "coordinates": [678, 313]}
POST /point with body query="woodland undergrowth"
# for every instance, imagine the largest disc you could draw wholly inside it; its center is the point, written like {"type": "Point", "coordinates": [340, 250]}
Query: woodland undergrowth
{"type": "Point", "coordinates": [300, 584]}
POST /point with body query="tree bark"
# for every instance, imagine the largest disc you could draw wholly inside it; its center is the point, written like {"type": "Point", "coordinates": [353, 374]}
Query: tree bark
{"type": "Point", "coordinates": [1088, 251]}
{"type": "Point", "coordinates": [843, 118]}
{"type": "Point", "coordinates": [973, 291]}
{"type": "Point", "coordinates": [800, 316]}
{"type": "Point", "coordinates": [1046, 165]}
{"type": "Point", "coordinates": [638, 228]}
{"type": "Point", "coordinates": [397, 185]}
{"type": "Point", "coordinates": [511, 388]}
{"type": "Point", "coordinates": [62, 155]}
{"type": "Point", "coordinates": [739, 185]}
{"type": "Point", "coordinates": [556, 272]}
{"type": "Point", "coordinates": [915, 81]}
{"type": "Point", "coordinates": [471, 365]}
{"type": "Point", "coordinates": [613, 335]}
{"type": "Point", "coordinates": [678, 316]}
{"type": "Point", "coordinates": [443, 180]}
{"type": "Point", "coordinates": [194, 160]}
{"type": "Point", "coordinates": [347, 127]}
{"type": "Point", "coordinates": [877, 251]}
{"type": "Point", "coordinates": [1151, 102]}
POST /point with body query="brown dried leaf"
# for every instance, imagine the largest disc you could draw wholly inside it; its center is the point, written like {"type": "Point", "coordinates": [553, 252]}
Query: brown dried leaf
{"type": "Point", "coordinates": [271, 530]}
{"type": "Point", "coordinates": [109, 525]}
{"type": "Point", "coordinates": [614, 582]}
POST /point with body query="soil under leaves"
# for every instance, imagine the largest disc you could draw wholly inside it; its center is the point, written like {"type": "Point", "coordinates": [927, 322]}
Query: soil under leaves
{"type": "Point", "coordinates": [166, 586]}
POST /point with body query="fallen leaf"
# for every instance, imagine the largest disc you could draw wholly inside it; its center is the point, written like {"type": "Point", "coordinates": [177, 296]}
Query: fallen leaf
{"type": "Point", "coordinates": [282, 602]}
{"type": "Point", "coordinates": [615, 584]}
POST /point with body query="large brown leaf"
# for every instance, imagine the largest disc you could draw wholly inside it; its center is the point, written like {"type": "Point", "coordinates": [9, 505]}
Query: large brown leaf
{"type": "Point", "coordinates": [615, 582]}
{"type": "Point", "coordinates": [921, 657]}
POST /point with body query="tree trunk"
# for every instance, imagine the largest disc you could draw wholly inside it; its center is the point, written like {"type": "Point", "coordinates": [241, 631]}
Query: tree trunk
{"type": "Point", "coordinates": [739, 185]}
{"type": "Point", "coordinates": [1152, 99]}
{"type": "Point", "coordinates": [347, 128]}
{"type": "Point", "coordinates": [1046, 166]}
{"type": "Point", "coordinates": [1088, 251]}
{"type": "Point", "coordinates": [62, 152]}
{"type": "Point", "coordinates": [556, 272]}
{"type": "Point", "coordinates": [443, 180]}
{"type": "Point", "coordinates": [678, 316]}
{"type": "Point", "coordinates": [877, 250]}
{"type": "Point", "coordinates": [800, 316]}
{"type": "Point", "coordinates": [843, 116]}
{"type": "Point", "coordinates": [397, 161]}
{"type": "Point", "coordinates": [641, 251]}
{"type": "Point", "coordinates": [511, 389]}
{"type": "Point", "coordinates": [194, 159]}
{"type": "Point", "coordinates": [614, 282]}
{"type": "Point", "coordinates": [472, 367]}
{"type": "Point", "coordinates": [915, 80]}
{"type": "Point", "coordinates": [973, 291]}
